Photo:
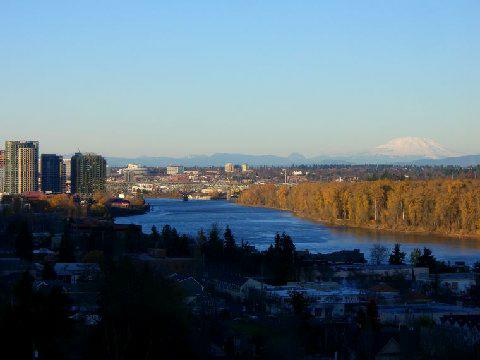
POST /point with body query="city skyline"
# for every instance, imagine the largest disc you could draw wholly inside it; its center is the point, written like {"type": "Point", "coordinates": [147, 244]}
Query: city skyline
{"type": "Point", "coordinates": [252, 77]}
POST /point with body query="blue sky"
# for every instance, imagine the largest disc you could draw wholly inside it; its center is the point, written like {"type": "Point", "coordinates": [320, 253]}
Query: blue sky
{"type": "Point", "coordinates": [254, 76]}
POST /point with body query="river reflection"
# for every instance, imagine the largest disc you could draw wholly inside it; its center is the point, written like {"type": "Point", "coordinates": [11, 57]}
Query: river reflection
{"type": "Point", "coordinates": [258, 226]}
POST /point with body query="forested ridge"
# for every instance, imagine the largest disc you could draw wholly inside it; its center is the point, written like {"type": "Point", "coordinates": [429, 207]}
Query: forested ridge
{"type": "Point", "coordinates": [450, 207]}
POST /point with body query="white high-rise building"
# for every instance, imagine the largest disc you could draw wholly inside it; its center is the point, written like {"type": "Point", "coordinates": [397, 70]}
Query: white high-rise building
{"type": "Point", "coordinates": [21, 166]}
{"type": "Point", "coordinates": [229, 167]}
{"type": "Point", "coordinates": [175, 170]}
{"type": "Point", "coordinates": [68, 168]}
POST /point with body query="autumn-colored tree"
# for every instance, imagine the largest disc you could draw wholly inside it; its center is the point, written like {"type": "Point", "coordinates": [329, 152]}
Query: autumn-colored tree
{"type": "Point", "coordinates": [442, 206]}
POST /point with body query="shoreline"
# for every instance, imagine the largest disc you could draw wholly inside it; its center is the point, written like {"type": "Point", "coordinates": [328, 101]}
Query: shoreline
{"type": "Point", "coordinates": [369, 228]}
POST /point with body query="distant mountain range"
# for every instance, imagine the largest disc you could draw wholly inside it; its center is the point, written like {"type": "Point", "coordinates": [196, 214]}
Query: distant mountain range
{"type": "Point", "coordinates": [221, 159]}
{"type": "Point", "coordinates": [407, 150]}
{"type": "Point", "coordinates": [464, 161]}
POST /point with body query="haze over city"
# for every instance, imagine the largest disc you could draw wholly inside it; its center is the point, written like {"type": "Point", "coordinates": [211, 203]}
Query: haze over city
{"type": "Point", "coordinates": [258, 77]}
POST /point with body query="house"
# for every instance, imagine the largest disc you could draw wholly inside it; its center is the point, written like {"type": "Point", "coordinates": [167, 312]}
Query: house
{"type": "Point", "coordinates": [327, 299]}
{"type": "Point", "coordinates": [459, 283]}
{"type": "Point", "coordinates": [231, 286]}
{"type": "Point", "coordinates": [16, 266]}
{"type": "Point", "coordinates": [251, 285]}
{"type": "Point", "coordinates": [380, 271]}
{"type": "Point", "coordinates": [384, 292]}
{"type": "Point", "coordinates": [390, 351]}
{"type": "Point", "coordinates": [43, 253]}
{"type": "Point", "coordinates": [190, 286]}
{"type": "Point", "coordinates": [83, 295]}
{"type": "Point", "coordinates": [71, 273]}
{"type": "Point", "coordinates": [467, 326]}
{"type": "Point", "coordinates": [87, 234]}
{"type": "Point", "coordinates": [157, 252]}
{"type": "Point", "coordinates": [166, 265]}
{"type": "Point", "coordinates": [408, 313]}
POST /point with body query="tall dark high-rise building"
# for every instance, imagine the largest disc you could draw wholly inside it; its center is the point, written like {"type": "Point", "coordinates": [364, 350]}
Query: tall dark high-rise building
{"type": "Point", "coordinates": [53, 173]}
{"type": "Point", "coordinates": [88, 173]}
{"type": "Point", "coordinates": [21, 166]}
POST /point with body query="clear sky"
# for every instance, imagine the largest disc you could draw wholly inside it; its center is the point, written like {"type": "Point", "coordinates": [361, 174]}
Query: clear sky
{"type": "Point", "coordinates": [182, 77]}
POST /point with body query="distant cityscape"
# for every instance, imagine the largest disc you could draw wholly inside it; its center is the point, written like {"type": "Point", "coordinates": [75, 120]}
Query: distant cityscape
{"type": "Point", "coordinates": [24, 170]}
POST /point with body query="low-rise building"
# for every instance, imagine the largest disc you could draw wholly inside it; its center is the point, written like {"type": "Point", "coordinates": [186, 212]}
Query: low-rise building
{"type": "Point", "coordinates": [16, 266]}
{"type": "Point", "coordinates": [72, 273]}
{"type": "Point", "coordinates": [406, 271]}
{"type": "Point", "coordinates": [458, 283]}
{"type": "Point", "coordinates": [408, 313]}
{"type": "Point", "coordinates": [327, 299]}
{"type": "Point", "coordinates": [229, 168]}
{"type": "Point", "coordinates": [175, 170]}
{"type": "Point", "coordinates": [165, 265]}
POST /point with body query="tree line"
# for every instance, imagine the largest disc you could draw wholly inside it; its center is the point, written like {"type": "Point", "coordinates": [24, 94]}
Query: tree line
{"type": "Point", "coordinates": [450, 207]}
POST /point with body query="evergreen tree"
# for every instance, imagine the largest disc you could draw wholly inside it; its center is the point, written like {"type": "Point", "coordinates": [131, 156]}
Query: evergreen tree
{"type": "Point", "coordinates": [300, 304]}
{"type": "Point", "coordinates": [397, 257]}
{"type": "Point", "coordinates": [414, 256]}
{"type": "Point", "coordinates": [202, 241]}
{"type": "Point", "coordinates": [48, 271]}
{"type": "Point", "coordinates": [427, 260]}
{"type": "Point", "coordinates": [155, 238]}
{"type": "Point", "coordinates": [66, 252]}
{"type": "Point", "coordinates": [182, 249]}
{"type": "Point", "coordinates": [24, 242]}
{"type": "Point", "coordinates": [214, 243]}
{"type": "Point", "coordinates": [229, 244]}
{"type": "Point", "coordinates": [35, 321]}
{"type": "Point", "coordinates": [143, 317]}
{"type": "Point", "coordinates": [280, 258]}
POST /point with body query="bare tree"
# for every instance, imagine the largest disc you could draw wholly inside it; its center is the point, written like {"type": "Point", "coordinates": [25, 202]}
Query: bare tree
{"type": "Point", "coordinates": [378, 254]}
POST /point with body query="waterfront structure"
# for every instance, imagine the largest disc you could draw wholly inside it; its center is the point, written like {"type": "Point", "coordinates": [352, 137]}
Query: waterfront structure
{"type": "Point", "coordinates": [52, 173]}
{"type": "Point", "coordinates": [88, 173]}
{"type": "Point", "coordinates": [175, 170]}
{"type": "Point", "coordinates": [244, 167]}
{"type": "Point", "coordinates": [21, 166]}
{"type": "Point", "coordinates": [229, 167]}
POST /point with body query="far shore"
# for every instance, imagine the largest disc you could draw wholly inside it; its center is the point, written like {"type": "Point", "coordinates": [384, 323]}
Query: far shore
{"type": "Point", "coordinates": [370, 228]}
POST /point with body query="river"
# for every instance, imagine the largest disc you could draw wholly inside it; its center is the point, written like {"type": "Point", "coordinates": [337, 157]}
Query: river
{"type": "Point", "coordinates": [258, 226]}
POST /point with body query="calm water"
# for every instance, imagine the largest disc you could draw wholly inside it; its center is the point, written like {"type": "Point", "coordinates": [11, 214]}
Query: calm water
{"type": "Point", "coordinates": [258, 226]}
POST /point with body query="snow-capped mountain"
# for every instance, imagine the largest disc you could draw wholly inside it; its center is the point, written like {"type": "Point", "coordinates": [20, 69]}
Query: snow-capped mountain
{"type": "Point", "coordinates": [413, 147]}
{"type": "Point", "coordinates": [408, 150]}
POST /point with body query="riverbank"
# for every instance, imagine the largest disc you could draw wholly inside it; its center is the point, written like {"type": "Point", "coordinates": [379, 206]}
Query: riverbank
{"type": "Point", "coordinates": [440, 207]}
{"type": "Point", "coordinates": [368, 228]}
{"type": "Point", "coordinates": [258, 226]}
